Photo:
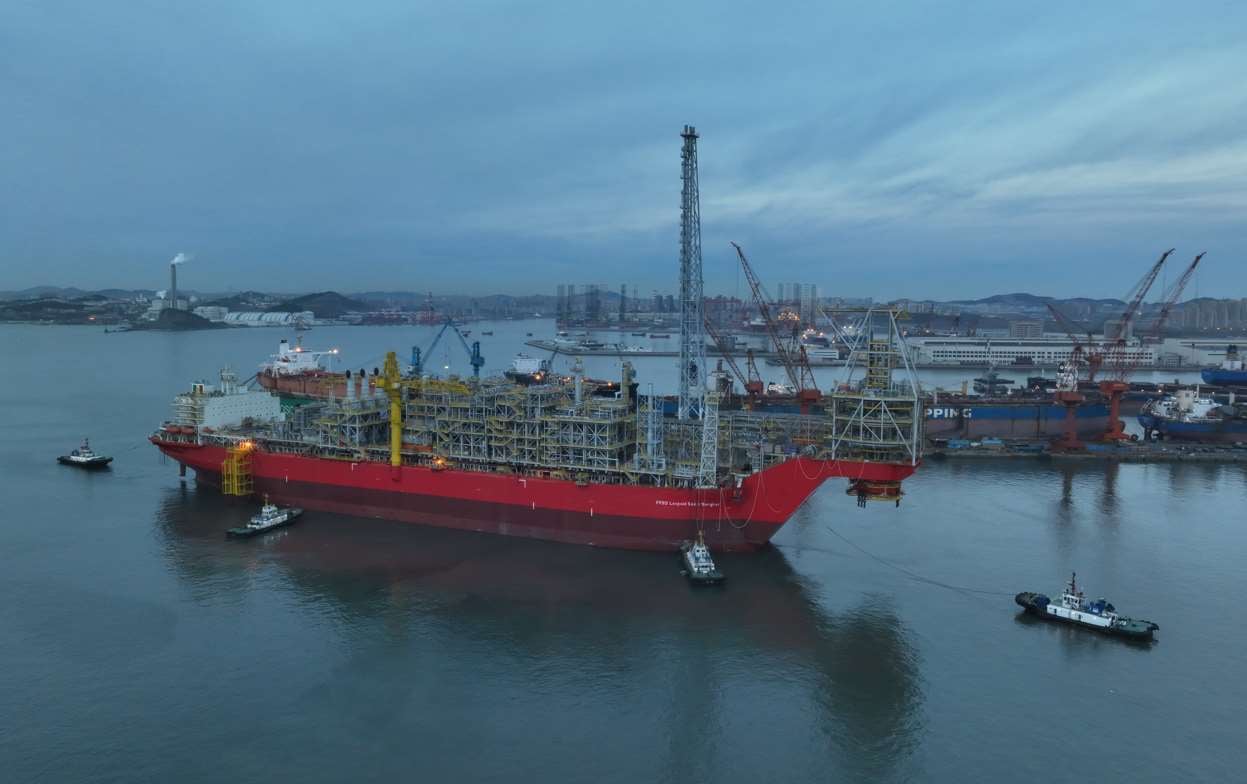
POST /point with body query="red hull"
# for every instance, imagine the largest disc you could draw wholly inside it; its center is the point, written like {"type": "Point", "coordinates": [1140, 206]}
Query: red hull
{"type": "Point", "coordinates": [623, 516]}
{"type": "Point", "coordinates": [314, 384]}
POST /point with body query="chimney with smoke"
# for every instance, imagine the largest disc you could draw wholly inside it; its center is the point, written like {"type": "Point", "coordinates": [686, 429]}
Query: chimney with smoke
{"type": "Point", "coordinates": [181, 258]}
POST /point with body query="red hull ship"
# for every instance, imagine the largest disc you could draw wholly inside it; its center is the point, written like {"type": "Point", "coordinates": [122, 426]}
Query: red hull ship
{"type": "Point", "coordinates": [569, 460]}
{"type": "Point", "coordinates": [621, 516]}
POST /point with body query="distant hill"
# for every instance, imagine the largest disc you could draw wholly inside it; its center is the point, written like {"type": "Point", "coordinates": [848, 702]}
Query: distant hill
{"type": "Point", "coordinates": [243, 301]}
{"type": "Point", "coordinates": [43, 292]}
{"type": "Point", "coordinates": [325, 304]}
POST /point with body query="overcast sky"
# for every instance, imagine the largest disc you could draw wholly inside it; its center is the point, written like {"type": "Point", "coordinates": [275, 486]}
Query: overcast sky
{"type": "Point", "coordinates": [881, 149]}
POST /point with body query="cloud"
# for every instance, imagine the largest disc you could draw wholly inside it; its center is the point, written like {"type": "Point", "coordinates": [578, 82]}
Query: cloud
{"type": "Point", "coordinates": [510, 142]}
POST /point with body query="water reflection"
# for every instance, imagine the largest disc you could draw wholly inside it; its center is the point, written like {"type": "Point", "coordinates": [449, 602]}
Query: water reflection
{"type": "Point", "coordinates": [615, 627]}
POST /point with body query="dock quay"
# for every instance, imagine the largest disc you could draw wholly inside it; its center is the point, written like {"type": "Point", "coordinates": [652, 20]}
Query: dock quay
{"type": "Point", "coordinates": [1134, 452]}
{"type": "Point", "coordinates": [616, 351]}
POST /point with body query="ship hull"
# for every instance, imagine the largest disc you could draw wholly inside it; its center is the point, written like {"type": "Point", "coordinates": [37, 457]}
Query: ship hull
{"type": "Point", "coordinates": [308, 386]}
{"type": "Point", "coordinates": [1222, 377]}
{"type": "Point", "coordinates": [604, 515]}
{"type": "Point", "coordinates": [1226, 431]}
{"type": "Point", "coordinates": [1022, 419]}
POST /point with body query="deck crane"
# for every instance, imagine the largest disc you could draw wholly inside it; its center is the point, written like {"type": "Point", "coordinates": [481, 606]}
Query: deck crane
{"type": "Point", "coordinates": [753, 389]}
{"type": "Point", "coordinates": [796, 363]}
{"type": "Point", "coordinates": [474, 351]}
{"type": "Point", "coordinates": [1115, 385]}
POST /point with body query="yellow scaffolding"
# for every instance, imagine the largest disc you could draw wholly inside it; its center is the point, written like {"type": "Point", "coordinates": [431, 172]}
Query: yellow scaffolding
{"type": "Point", "coordinates": [236, 470]}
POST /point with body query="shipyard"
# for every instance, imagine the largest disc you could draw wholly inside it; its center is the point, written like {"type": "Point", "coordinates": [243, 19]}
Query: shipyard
{"type": "Point", "coordinates": [481, 392]}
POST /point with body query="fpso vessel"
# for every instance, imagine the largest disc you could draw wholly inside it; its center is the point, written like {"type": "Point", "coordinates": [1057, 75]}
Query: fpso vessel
{"type": "Point", "coordinates": [550, 461]}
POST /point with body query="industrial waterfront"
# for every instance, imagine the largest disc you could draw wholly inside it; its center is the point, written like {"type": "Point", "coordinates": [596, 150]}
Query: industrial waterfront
{"type": "Point", "coordinates": [868, 642]}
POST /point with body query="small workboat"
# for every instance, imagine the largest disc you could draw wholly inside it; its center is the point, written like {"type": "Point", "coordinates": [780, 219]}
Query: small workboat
{"type": "Point", "coordinates": [699, 567]}
{"type": "Point", "coordinates": [1077, 609]}
{"type": "Point", "coordinates": [271, 516]}
{"type": "Point", "coordinates": [84, 457]}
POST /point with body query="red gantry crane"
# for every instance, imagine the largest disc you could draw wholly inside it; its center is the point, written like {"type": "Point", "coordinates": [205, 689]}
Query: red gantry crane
{"type": "Point", "coordinates": [795, 362]}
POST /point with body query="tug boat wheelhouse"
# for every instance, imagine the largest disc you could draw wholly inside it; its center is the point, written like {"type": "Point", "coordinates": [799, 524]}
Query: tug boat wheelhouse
{"type": "Point", "coordinates": [699, 567]}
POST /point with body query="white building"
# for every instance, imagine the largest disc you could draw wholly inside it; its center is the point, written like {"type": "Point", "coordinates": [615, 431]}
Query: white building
{"type": "Point", "coordinates": [978, 351]}
{"type": "Point", "coordinates": [269, 319]}
{"type": "Point", "coordinates": [211, 312]}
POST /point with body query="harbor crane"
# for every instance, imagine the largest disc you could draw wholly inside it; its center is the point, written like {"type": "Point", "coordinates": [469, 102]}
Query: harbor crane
{"type": "Point", "coordinates": [1083, 352]}
{"type": "Point", "coordinates": [474, 351]}
{"type": "Point", "coordinates": [1171, 295]}
{"type": "Point", "coordinates": [1168, 300]}
{"type": "Point", "coordinates": [795, 362]}
{"type": "Point", "coordinates": [1121, 363]}
{"type": "Point", "coordinates": [749, 379]}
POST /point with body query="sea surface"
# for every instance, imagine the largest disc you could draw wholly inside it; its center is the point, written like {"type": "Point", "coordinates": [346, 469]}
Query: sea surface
{"type": "Point", "coordinates": [137, 644]}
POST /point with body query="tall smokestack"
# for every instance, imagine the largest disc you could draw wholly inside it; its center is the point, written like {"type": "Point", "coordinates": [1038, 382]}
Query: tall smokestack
{"type": "Point", "coordinates": [181, 258]}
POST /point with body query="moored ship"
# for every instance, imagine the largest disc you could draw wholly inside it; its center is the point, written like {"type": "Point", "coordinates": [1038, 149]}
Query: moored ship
{"type": "Point", "coordinates": [1186, 415]}
{"type": "Point", "coordinates": [299, 373]}
{"type": "Point", "coordinates": [1231, 371]}
{"type": "Point", "coordinates": [552, 461]}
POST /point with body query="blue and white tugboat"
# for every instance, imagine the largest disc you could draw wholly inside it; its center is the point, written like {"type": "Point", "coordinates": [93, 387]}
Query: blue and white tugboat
{"type": "Point", "coordinates": [271, 516]}
{"type": "Point", "coordinates": [84, 457]}
{"type": "Point", "coordinates": [1077, 609]}
{"type": "Point", "coordinates": [699, 567]}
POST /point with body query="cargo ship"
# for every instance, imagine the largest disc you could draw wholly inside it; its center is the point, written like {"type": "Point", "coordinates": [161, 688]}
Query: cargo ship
{"type": "Point", "coordinates": [298, 373]}
{"type": "Point", "coordinates": [1186, 415]}
{"type": "Point", "coordinates": [1231, 371]}
{"type": "Point", "coordinates": [550, 461]}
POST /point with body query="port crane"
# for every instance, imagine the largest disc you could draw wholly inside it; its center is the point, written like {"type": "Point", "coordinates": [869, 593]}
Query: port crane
{"type": "Point", "coordinates": [1168, 300]}
{"type": "Point", "coordinates": [749, 379]}
{"type": "Point", "coordinates": [1082, 351]}
{"type": "Point", "coordinates": [1121, 363]}
{"type": "Point", "coordinates": [474, 351]}
{"type": "Point", "coordinates": [795, 362]}
{"type": "Point", "coordinates": [1171, 295]}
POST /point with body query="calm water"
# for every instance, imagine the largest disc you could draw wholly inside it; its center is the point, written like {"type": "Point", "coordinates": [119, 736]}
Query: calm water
{"type": "Point", "coordinates": [137, 644]}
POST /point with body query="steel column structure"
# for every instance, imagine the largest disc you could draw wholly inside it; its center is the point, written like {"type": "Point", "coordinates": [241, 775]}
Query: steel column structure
{"type": "Point", "coordinates": [692, 334]}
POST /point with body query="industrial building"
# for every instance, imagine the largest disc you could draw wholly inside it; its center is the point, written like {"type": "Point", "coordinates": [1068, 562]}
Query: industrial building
{"type": "Point", "coordinates": [246, 319]}
{"type": "Point", "coordinates": [978, 351]}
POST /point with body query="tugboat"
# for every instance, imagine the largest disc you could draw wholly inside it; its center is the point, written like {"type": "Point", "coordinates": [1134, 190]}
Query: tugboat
{"type": "Point", "coordinates": [1075, 608]}
{"type": "Point", "coordinates": [271, 516]}
{"type": "Point", "coordinates": [699, 567]}
{"type": "Point", "coordinates": [84, 457]}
